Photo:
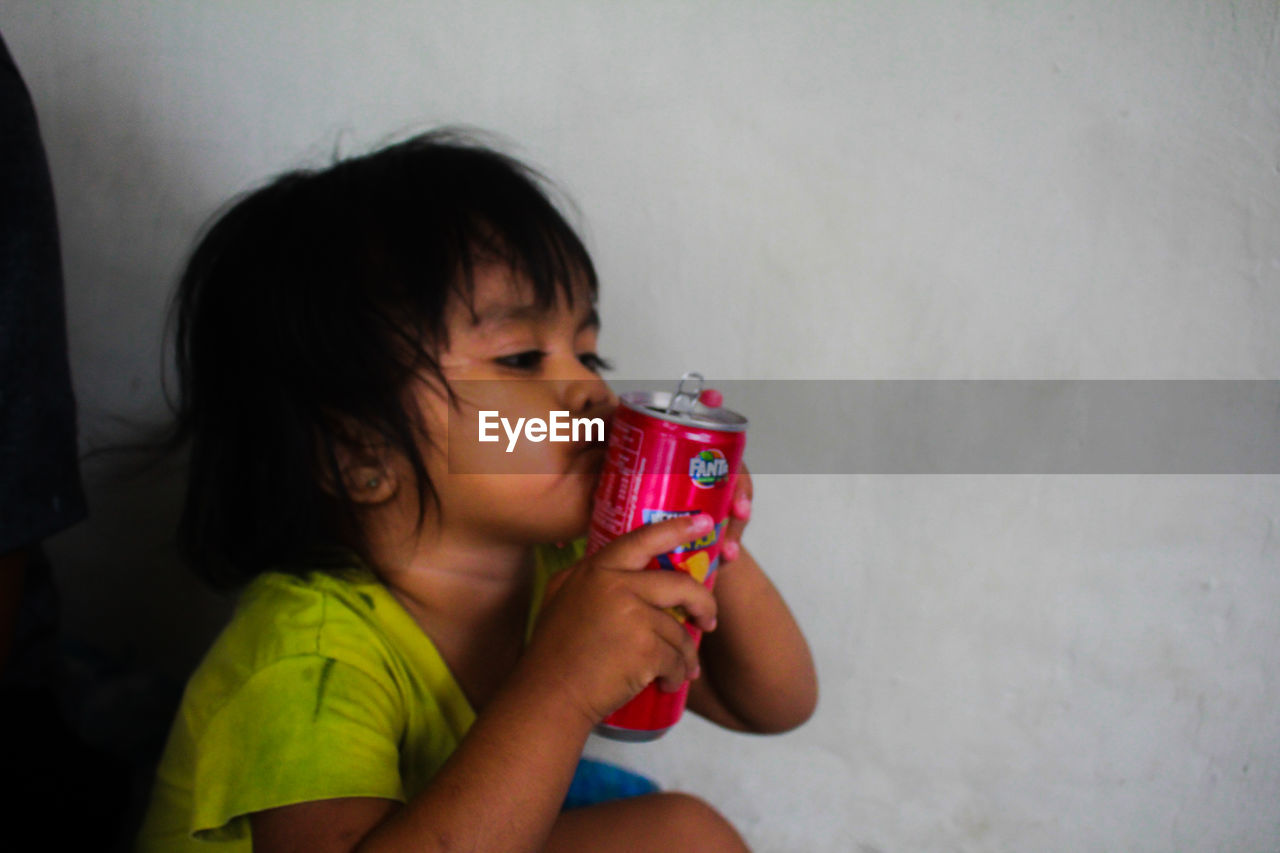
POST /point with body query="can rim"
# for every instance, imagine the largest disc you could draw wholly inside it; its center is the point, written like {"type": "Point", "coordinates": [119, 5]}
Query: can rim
{"type": "Point", "coordinates": [655, 403]}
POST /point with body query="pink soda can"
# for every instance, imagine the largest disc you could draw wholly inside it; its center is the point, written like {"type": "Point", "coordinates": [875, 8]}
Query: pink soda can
{"type": "Point", "coordinates": [669, 455]}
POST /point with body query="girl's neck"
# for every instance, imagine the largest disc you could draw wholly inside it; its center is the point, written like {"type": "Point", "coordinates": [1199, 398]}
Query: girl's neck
{"type": "Point", "coordinates": [457, 577]}
{"type": "Point", "coordinates": [470, 597]}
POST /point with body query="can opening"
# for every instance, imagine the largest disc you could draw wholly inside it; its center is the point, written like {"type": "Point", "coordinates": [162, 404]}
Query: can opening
{"type": "Point", "coordinates": [690, 405]}
{"type": "Point", "coordinates": [683, 400]}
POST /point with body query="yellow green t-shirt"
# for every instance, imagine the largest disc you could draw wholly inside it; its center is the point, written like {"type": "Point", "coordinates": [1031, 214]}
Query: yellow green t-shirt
{"type": "Point", "coordinates": [321, 686]}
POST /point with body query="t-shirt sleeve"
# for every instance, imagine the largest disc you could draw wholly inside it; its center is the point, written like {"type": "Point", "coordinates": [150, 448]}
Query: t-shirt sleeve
{"type": "Point", "coordinates": [305, 728]}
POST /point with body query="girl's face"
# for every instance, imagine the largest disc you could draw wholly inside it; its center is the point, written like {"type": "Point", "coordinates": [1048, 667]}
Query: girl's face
{"type": "Point", "coordinates": [518, 361]}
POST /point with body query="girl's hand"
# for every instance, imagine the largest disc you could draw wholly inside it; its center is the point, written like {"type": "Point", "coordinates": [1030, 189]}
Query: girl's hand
{"type": "Point", "coordinates": [607, 629]}
{"type": "Point", "coordinates": [739, 515]}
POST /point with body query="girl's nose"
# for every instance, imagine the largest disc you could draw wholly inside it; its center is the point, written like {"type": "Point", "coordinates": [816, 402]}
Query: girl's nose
{"type": "Point", "coordinates": [587, 392]}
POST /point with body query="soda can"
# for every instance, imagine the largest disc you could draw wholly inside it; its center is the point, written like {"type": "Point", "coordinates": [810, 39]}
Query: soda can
{"type": "Point", "coordinates": [668, 455]}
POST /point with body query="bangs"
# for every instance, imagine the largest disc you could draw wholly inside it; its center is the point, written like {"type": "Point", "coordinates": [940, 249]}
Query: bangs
{"type": "Point", "coordinates": [458, 207]}
{"type": "Point", "coordinates": [536, 256]}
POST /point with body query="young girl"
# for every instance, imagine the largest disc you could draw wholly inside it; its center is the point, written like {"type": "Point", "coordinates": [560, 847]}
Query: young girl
{"type": "Point", "coordinates": [377, 688]}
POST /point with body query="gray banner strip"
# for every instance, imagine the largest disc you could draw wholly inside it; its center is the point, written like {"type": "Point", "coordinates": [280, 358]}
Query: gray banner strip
{"type": "Point", "coordinates": [1005, 426]}
{"type": "Point", "coordinates": [815, 427]}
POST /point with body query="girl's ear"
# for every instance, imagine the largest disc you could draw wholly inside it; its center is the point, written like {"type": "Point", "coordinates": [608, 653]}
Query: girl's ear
{"type": "Point", "coordinates": [369, 482]}
{"type": "Point", "coordinates": [364, 463]}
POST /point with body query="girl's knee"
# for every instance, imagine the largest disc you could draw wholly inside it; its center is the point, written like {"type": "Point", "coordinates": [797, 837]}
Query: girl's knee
{"type": "Point", "coordinates": [690, 817]}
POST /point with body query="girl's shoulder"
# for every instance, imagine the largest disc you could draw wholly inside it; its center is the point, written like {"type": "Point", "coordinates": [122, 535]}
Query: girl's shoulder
{"type": "Point", "coordinates": [295, 611]}
{"type": "Point", "coordinates": [337, 614]}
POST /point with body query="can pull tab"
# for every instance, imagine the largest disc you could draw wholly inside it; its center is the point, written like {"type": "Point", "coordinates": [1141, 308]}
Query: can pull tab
{"type": "Point", "coordinates": [684, 398]}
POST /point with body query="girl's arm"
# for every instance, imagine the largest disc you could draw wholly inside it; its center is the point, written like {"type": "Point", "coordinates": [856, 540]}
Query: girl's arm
{"type": "Point", "coordinates": [604, 635]}
{"type": "Point", "coordinates": [482, 799]}
{"type": "Point", "coordinates": [757, 671]}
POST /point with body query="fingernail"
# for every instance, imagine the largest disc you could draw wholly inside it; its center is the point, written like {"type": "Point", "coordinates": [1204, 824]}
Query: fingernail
{"type": "Point", "coordinates": [743, 507]}
{"type": "Point", "coordinates": [730, 551]}
{"type": "Point", "coordinates": [702, 523]}
{"type": "Point", "coordinates": [697, 671]}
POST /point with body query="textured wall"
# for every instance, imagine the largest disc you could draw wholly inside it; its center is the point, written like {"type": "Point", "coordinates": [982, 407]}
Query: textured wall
{"type": "Point", "coordinates": [782, 190]}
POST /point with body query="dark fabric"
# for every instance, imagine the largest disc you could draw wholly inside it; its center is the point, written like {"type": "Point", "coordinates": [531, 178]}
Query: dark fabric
{"type": "Point", "coordinates": [40, 491]}
{"type": "Point", "coordinates": [74, 795]}
{"type": "Point", "coordinates": [35, 662]}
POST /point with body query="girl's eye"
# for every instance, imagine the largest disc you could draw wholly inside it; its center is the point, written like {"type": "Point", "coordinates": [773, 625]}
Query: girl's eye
{"type": "Point", "coordinates": [531, 359]}
{"type": "Point", "coordinates": [522, 360]}
{"type": "Point", "coordinates": [594, 363]}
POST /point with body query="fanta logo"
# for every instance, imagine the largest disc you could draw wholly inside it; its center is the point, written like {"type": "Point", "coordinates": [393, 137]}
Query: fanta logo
{"type": "Point", "coordinates": [708, 468]}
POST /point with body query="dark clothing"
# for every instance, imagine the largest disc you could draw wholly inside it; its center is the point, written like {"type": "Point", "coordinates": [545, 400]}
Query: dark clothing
{"type": "Point", "coordinates": [64, 787]}
{"type": "Point", "coordinates": [40, 491]}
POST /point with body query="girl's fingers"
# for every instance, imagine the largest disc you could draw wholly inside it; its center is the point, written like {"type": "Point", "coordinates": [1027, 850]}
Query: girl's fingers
{"type": "Point", "coordinates": [743, 494]}
{"type": "Point", "coordinates": [678, 592]}
{"type": "Point", "coordinates": [731, 545]}
{"type": "Point", "coordinates": [739, 515]}
{"type": "Point", "coordinates": [635, 549]}
{"type": "Point", "coordinates": [681, 662]}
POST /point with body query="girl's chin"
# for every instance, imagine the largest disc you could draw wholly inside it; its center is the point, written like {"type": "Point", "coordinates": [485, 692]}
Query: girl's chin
{"type": "Point", "coordinates": [582, 516]}
{"type": "Point", "coordinates": [584, 470]}
{"type": "Point", "coordinates": [590, 459]}
{"type": "Point", "coordinates": [561, 534]}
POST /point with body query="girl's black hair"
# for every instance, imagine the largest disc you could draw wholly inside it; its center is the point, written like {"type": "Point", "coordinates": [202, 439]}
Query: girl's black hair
{"type": "Point", "coordinates": [304, 312]}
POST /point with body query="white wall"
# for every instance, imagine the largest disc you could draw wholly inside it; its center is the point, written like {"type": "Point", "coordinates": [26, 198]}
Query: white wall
{"type": "Point", "coordinates": [878, 189]}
